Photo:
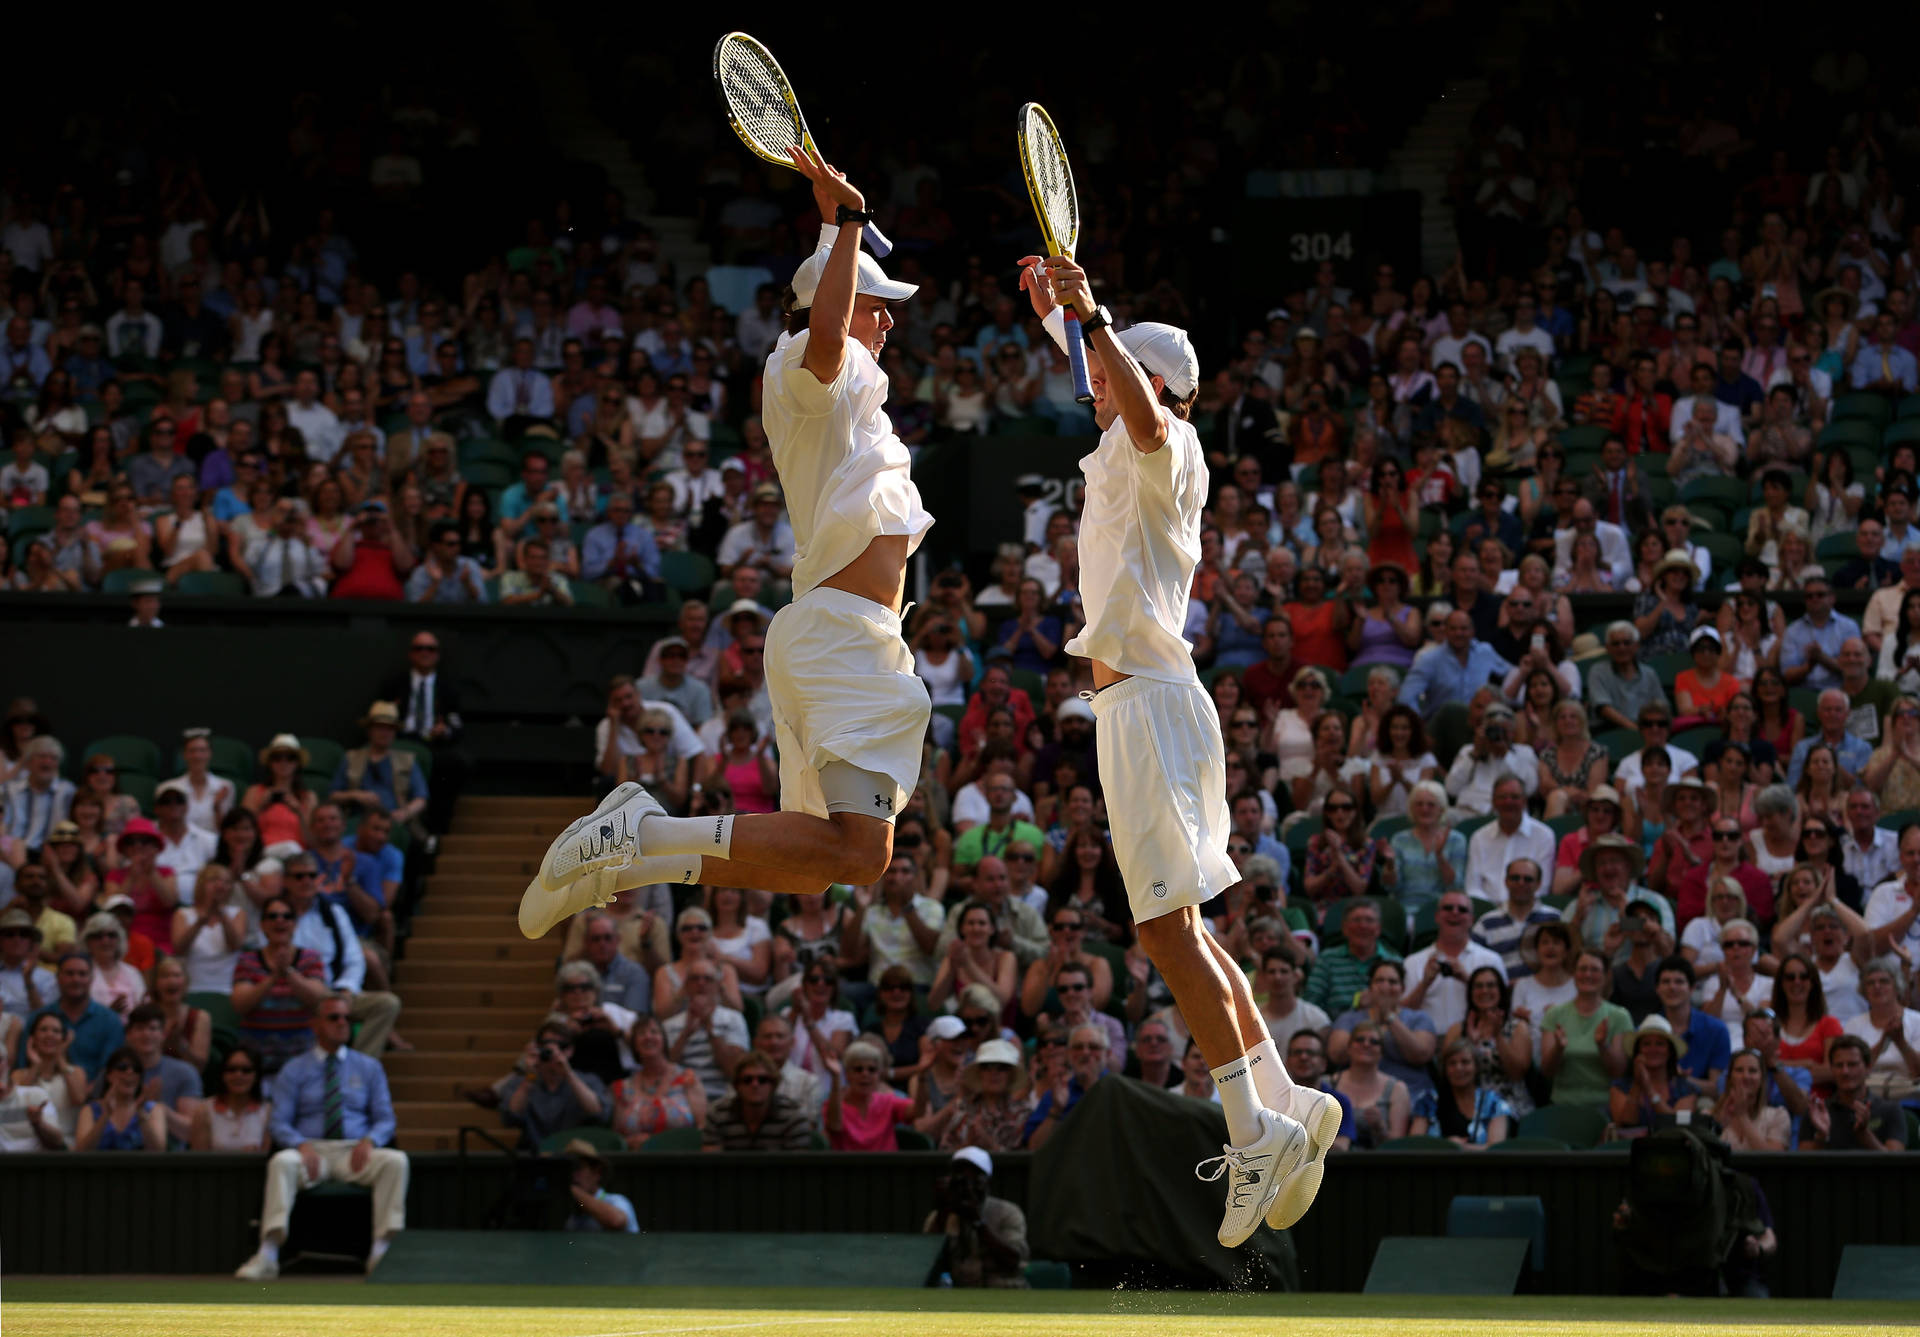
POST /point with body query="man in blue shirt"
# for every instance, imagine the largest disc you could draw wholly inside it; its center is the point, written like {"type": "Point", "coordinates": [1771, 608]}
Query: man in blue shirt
{"type": "Point", "coordinates": [97, 1031]}
{"type": "Point", "coordinates": [1850, 750]}
{"type": "Point", "coordinates": [1450, 673]}
{"type": "Point", "coordinates": [333, 1117]}
{"type": "Point", "coordinates": [445, 577]}
{"type": "Point", "coordinates": [593, 1207]}
{"type": "Point", "coordinates": [1885, 366]}
{"type": "Point", "coordinates": [1810, 650]}
{"type": "Point", "coordinates": [520, 395]}
{"type": "Point", "coordinates": [1086, 1064]}
{"type": "Point", "coordinates": [617, 551]}
{"type": "Point", "coordinates": [1706, 1047]}
{"type": "Point", "coordinates": [327, 931]}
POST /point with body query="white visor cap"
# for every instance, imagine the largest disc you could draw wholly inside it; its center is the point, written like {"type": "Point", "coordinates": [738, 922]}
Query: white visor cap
{"type": "Point", "coordinates": [872, 281]}
{"type": "Point", "coordinates": [1166, 352]}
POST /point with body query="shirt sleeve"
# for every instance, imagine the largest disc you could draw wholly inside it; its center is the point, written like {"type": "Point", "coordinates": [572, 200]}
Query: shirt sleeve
{"type": "Point", "coordinates": [799, 390]}
{"type": "Point", "coordinates": [380, 1118]}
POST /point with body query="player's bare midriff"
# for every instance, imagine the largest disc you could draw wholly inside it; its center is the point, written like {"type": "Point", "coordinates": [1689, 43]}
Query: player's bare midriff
{"type": "Point", "coordinates": [1104, 675]}
{"type": "Point", "coordinates": [879, 573]}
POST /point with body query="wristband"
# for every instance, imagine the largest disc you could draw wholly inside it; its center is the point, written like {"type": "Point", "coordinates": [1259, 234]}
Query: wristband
{"type": "Point", "coordinates": [1096, 319]}
{"type": "Point", "coordinates": [843, 215]}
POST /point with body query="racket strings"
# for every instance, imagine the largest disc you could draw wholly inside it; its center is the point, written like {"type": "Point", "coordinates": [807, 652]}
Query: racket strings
{"type": "Point", "coordinates": [1048, 163]}
{"type": "Point", "coordinates": [754, 96]}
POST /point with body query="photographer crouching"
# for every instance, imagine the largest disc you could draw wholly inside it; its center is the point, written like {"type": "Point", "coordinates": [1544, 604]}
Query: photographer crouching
{"type": "Point", "coordinates": [986, 1236]}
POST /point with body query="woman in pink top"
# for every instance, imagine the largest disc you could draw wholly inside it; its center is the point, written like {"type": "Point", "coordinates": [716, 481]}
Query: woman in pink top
{"type": "Point", "coordinates": [860, 1116]}
{"type": "Point", "coordinates": [745, 761]}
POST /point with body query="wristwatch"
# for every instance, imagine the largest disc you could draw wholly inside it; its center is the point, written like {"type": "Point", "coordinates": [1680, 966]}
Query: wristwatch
{"type": "Point", "coordinates": [843, 215]}
{"type": "Point", "coordinates": [1098, 318]}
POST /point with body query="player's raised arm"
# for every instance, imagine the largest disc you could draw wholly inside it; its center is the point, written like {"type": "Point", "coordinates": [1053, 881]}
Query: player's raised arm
{"type": "Point", "coordinates": [832, 312]}
{"type": "Point", "coordinates": [1132, 392]}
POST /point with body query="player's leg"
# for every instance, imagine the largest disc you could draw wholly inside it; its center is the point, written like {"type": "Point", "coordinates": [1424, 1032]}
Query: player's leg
{"type": "Point", "coordinates": [1158, 742]}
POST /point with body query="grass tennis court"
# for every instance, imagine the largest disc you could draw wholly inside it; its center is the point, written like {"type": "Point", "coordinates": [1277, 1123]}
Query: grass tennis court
{"type": "Point", "coordinates": [135, 1307]}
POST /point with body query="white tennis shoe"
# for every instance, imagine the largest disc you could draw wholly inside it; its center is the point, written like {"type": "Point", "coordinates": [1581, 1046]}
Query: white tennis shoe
{"type": "Point", "coordinates": [1319, 1114]}
{"type": "Point", "coordinates": [607, 837]}
{"type": "Point", "coordinates": [257, 1268]}
{"type": "Point", "coordinates": [580, 868]}
{"type": "Point", "coordinates": [1254, 1174]}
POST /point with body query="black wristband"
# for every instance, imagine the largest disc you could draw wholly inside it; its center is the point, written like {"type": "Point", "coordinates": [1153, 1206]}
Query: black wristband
{"type": "Point", "coordinates": [843, 215]}
{"type": "Point", "coordinates": [1098, 318]}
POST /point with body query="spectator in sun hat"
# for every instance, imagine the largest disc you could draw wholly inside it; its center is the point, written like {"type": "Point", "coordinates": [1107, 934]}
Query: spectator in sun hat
{"type": "Point", "coordinates": [25, 985]}
{"type": "Point", "coordinates": [282, 803]}
{"type": "Point", "coordinates": [593, 1207]}
{"type": "Point", "coordinates": [378, 775]}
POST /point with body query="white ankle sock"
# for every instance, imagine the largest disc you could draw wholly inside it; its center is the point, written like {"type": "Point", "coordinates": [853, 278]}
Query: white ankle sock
{"type": "Point", "coordinates": [687, 835]}
{"type": "Point", "coordinates": [1271, 1081]}
{"type": "Point", "coordinates": [650, 870]}
{"type": "Point", "coordinates": [379, 1250]}
{"type": "Point", "coordinates": [1239, 1102]}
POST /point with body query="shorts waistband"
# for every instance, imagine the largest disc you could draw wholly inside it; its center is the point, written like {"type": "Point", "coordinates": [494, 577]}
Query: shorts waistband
{"type": "Point", "coordinates": [840, 601]}
{"type": "Point", "coordinates": [1115, 692]}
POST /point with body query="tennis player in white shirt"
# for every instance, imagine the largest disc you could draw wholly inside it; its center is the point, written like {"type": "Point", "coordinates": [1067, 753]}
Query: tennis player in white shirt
{"type": "Point", "coordinates": [1162, 762]}
{"type": "Point", "coordinates": [849, 712]}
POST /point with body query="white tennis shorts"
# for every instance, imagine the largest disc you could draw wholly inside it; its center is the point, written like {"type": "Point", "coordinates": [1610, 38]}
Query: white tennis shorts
{"type": "Point", "coordinates": [1164, 770]}
{"type": "Point", "coordinates": [843, 689]}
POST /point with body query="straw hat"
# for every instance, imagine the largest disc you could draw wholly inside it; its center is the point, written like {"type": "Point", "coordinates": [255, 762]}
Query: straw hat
{"type": "Point", "coordinates": [1589, 856]}
{"type": "Point", "coordinates": [1686, 784]}
{"type": "Point", "coordinates": [996, 1051]}
{"type": "Point", "coordinates": [380, 712]}
{"type": "Point", "coordinates": [1655, 1024]}
{"type": "Point", "coordinates": [1587, 646]}
{"type": "Point", "coordinates": [1677, 561]}
{"type": "Point", "coordinates": [582, 1150]}
{"type": "Point", "coordinates": [16, 918]}
{"type": "Point", "coordinates": [1825, 295]}
{"type": "Point", "coordinates": [284, 742]}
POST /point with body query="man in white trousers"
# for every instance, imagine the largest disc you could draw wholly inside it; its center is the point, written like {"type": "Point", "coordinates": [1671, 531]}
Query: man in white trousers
{"type": "Point", "coordinates": [1162, 762]}
{"type": "Point", "coordinates": [332, 1118]}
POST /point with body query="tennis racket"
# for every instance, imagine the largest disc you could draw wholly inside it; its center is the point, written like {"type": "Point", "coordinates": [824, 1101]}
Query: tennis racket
{"type": "Point", "coordinates": [763, 111]}
{"type": "Point", "coordinates": [1050, 186]}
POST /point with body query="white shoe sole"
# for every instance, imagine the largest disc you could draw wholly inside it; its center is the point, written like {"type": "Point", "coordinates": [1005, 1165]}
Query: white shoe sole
{"type": "Point", "coordinates": [1298, 1190]}
{"type": "Point", "coordinates": [254, 1269]}
{"type": "Point", "coordinates": [558, 870]}
{"type": "Point", "coordinates": [1287, 1160]}
{"type": "Point", "coordinates": [541, 909]}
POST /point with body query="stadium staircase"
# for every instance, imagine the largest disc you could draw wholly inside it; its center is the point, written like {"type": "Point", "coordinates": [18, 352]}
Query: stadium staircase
{"type": "Point", "coordinates": [473, 988]}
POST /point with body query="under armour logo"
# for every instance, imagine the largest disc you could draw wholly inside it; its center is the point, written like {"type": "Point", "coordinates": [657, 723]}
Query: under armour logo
{"type": "Point", "coordinates": [882, 801]}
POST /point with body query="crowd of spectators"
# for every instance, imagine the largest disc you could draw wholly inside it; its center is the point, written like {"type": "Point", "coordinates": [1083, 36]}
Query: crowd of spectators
{"type": "Point", "coordinates": [188, 920]}
{"type": "Point", "coordinates": [1561, 610]}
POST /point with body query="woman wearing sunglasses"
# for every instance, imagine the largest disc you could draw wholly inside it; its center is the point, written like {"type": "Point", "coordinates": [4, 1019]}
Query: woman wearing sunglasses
{"type": "Point", "coordinates": [276, 988]}
{"type": "Point", "coordinates": [861, 1110]}
{"type": "Point", "coordinates": [237, 1117]}
{"type": "Point", "coordinates": [121, 1120]}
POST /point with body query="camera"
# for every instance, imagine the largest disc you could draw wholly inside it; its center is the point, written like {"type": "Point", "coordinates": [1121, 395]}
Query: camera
{"type": "Point", "coordinates": [1497, 732]}
{"type": "Point", "coordinates": [1264, 892]}
{"type": "Point", "coordinates": [1447, 972]}
{"type": "Point", "coordinates": [546, 1053]}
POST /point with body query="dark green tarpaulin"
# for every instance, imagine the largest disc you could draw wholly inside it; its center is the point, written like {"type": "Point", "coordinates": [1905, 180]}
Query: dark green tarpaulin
{"type": "Point", "coordinates": [1115, 1184]}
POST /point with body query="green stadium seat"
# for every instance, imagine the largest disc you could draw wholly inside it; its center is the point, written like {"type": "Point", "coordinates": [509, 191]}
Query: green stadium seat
{"type": "Point", "coordinates": [1898, 821]}
{"type": "Point", "coordinates": [29, 519]}
{"type": "Point", "coordinates": [597, 1136]}
{"type": "Point", "coordinates": [1850, 433]}
{"type": "Point", "coordinates": [1393, 920]}
{"type": "Point", "coordinates": [139, 788]}
{"type": "Point", "coordinates": [1696, 740]}
{"type": "Point", "coordinates": [1907, 408]}
{"type": "Point", "coordinates": [130, 753]}
{"type": "Point", "coordinates": [320, 782]}
{"type": "Point", "coordinates": [1566, 824]}
{"type": "Point", "coordinates": [1032, 684]}
{"type": "Point", "coordinates": [1385, 828]}
{"type": "Point", "coordinates": [674, 1139]}
{"type": "Point", "coordinates": [211, 584]}
{"type": "Point", "coordinates": [1584, 436]}
{"type": "Point", "coordinates": [1725, 549]}
{"type": "Point", "coordinates": [691, 573]}
{"type": "Point", "coordinates": [1843, 546]}
{"type": "Point", "coordinates": [1299, 834]}
{"type": "Point", "coordinates": [1576, 1125]}
{"type": "Point", "coordinates": [1530, 1144]}
{"type": "Point", "coordinates": [231, 756]}
{"type": "Point", "coordinates": [323, 754]}
{"type": "Point", "coordinates": [1730, 494]}
{"type": "Point", "coordinates": [1901, 433]}
{"type": "Point", "coordinates": [123, 580]}
{"type": "Point", "coordinates": [588, 594]}
{"type": "Point", "coordinates": [1862, 407]}
{"type": "Point", "coordinates": [487, 474]}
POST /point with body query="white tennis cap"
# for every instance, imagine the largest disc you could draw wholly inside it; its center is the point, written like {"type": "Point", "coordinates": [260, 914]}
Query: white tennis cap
{"type": "Point", "coordinates": [872, 280]}
{"type": "Point", "coordinates": [1165, 352]}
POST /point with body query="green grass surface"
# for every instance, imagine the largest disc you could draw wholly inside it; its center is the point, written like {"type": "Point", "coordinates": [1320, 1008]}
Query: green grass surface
{"type": "Point", "coordinates": [171, 1307]}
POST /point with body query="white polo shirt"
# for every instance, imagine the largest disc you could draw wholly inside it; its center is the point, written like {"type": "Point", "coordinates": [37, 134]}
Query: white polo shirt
{"type": "Point", "coordinates": [844, 469]}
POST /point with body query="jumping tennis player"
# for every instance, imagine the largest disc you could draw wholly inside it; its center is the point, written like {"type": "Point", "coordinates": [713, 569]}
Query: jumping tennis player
{"type": "Point", "coordinates": [849, 712]}
{"type": "Point", "coordinates": [1162, 762]}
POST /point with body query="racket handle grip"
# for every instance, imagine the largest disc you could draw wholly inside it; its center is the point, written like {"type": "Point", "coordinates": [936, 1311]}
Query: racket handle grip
{"type": "Point", "coordinates": [1077, 356]}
